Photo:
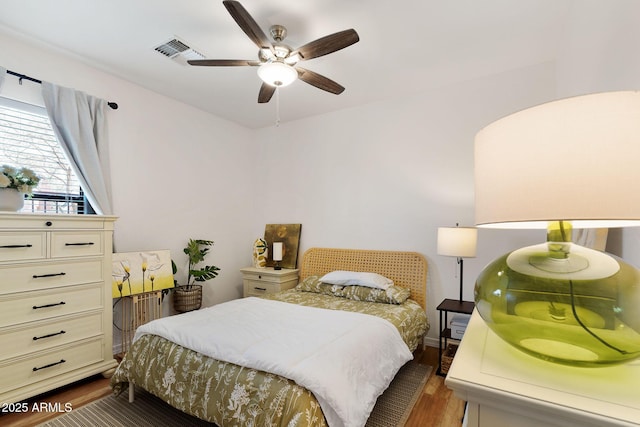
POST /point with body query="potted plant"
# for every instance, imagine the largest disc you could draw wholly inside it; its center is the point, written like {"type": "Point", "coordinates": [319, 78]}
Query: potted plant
{"type": "Point", "coordinates": [14, 184]}
{"type": "Point", "coordinates": [188, 297]}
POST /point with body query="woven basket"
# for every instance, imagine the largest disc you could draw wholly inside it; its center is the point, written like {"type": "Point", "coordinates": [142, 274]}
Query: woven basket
{"type": "Point", "coordinates": [187, 298]}
{"type": "Point", "coordinates": [447, 357]}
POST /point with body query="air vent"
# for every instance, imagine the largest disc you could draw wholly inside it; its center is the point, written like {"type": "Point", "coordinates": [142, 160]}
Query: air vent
{"type": "Point", "coordinates": [172, 48]}
{"type": "Point", "coordinates": [178, 50]}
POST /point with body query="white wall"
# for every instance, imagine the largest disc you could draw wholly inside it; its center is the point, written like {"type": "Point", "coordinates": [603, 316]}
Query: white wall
{"type": "Point", "coordinates": [381, 176]}
{"type": "Point", "coordinates": [177, 172]}
{"type": "Point", "coordinates": [600, 53]}
{"type": "Point", "coordinates": [386, 175]}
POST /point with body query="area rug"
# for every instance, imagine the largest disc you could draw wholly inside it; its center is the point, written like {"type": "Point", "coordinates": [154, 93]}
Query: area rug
{"type": "Point", "coordinates": [392, 408]}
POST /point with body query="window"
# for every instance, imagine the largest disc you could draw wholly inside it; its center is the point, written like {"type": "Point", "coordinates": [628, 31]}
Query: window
{"type": "Point", "coordinates": [27, 139]}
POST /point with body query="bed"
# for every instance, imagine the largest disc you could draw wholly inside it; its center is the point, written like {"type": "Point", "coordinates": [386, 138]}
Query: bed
{"type": "Point", "coordinates": [245, 388]}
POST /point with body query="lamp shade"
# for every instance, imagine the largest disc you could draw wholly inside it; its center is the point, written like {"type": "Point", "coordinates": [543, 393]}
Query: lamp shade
{"type": "Point", "coordinates": [574, 159]}
{"type": "Point", "coordinates": [277, 74]}
{"type": "Point", "coordinates": [565, 164]}
{"type": "Point", "coordinates": [277, 251]}
{"type": "Point", "coordinates": [457, 241]}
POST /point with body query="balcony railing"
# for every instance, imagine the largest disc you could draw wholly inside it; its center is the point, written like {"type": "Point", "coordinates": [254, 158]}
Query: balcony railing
{"type": "Point", "coordinates": [58, 203]}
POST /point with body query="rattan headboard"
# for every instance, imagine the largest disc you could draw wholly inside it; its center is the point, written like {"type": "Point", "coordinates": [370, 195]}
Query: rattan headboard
{"type": "Point", "coordinates": [406, 269]}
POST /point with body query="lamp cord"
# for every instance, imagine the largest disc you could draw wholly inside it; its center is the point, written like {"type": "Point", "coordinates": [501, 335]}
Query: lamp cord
{"type": "Point", "coordinates": [575, 314]}
{"type": "Point", "coordinates": [573, 306]}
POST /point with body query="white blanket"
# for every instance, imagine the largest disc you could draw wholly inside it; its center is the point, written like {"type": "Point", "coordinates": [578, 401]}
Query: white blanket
{"type": "Point", "coordinates": [345, 359]}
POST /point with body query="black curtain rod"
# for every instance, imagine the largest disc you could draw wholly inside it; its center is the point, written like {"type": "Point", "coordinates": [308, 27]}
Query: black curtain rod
{"type": "Point", "coordinates": [21, 77]}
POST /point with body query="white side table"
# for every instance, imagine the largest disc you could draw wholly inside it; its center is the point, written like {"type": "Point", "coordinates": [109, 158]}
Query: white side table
{"type": "Point", "coordinates": [506, 387]}
{"type": "Point", "coordinates": [260, 281]}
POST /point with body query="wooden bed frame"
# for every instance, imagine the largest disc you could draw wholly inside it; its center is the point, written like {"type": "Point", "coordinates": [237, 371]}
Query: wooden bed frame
{"type": "Point", "coordinates": [406, 269]}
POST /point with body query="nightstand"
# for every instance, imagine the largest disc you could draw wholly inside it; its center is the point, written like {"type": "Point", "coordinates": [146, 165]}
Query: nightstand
{"type": "Point", "coordinates": [260, 281]}
{"type": "Point", "coordinates": [506, 387]}
{"type": "Point", "coordinates": [449, 306]}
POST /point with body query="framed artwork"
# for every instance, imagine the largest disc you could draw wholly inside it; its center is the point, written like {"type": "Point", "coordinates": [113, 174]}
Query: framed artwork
{"type": "Point", "coordinates": [138, 272]}
{"type": "Point", "coordinates": [289, 235]}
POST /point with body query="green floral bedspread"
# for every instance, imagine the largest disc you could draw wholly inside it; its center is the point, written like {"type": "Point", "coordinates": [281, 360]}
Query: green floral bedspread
{"type": "Point", "coordinates": [409, 318]}
{"type": "Point", "coordinates": [231, 395]}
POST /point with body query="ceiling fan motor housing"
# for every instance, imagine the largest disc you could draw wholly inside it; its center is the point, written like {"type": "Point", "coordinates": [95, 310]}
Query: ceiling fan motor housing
{"type": "Point", "coordinates": [278, 32]}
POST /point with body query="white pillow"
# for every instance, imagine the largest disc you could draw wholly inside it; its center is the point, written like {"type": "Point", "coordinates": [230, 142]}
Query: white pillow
{"type": "Point", "coordinates": [351, 278]}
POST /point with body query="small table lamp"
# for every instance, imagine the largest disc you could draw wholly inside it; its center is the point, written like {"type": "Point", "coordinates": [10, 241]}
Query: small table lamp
{"type": "Point", "coordinates": [459, 242]}
{"type": "Point", "coordinates": [563, 164]}
{"type": "Point", "coordinates": [277, 255]}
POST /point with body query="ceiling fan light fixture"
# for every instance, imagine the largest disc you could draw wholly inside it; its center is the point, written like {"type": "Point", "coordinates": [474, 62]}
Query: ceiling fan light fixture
{"type": "Point", "coordinates": [292, 59]}
{"type": "Point", "coordinates": [277, 74]}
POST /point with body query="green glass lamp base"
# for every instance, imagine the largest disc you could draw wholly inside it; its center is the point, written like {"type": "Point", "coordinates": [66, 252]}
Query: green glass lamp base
{"type": "Point", "coordinates": [581, 308]}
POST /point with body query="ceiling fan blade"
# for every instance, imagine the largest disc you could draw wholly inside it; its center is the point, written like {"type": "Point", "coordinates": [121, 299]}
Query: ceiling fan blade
{"type": "Point", "coordinates": [223, 62]}
{"type": "Point", "coordinates": [266, 92]}
{"type": "Point", "coordinates": [328, 44]}
{"type": "Point", "coordinates": [248, 24]}
{"type": "Point", "coordinates": [319, 81]}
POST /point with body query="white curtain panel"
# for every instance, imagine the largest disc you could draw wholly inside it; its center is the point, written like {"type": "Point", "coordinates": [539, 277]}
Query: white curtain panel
{"type": "Point", "coordinates": [3, 73]}
{"type": "Point", "coordinates": [79, 122]}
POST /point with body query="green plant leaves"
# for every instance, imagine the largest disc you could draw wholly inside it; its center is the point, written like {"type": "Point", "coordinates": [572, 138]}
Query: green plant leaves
{"type": "Point", "coordinates": [206, 273]}
{"type": "Point", "coordinates": [196, 251]}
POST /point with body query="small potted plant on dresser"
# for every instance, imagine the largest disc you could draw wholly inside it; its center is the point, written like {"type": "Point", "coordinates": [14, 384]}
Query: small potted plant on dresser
{"type": "Point", "coordinates": [188, 297]}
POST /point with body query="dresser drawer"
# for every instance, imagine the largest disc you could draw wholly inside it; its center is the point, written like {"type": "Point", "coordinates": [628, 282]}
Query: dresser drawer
{"type": "Point", "coordinates": [33, 306]}
{"type": "Point", "coordinates": [27, 221]}
{"type": "Point", "coordinates": [46, 275]}
{"type": "Point", "coordinates": [16, 374]}
{"type": "Point", "coordinates": [22, 246]}
{"type": "Point", "coordinates": [268, 276]}
{"type": "Point", "coordinates": [44, 335]}
{"type": "Point", "coordinates": [76, 244]}
{"type": "Point", "coordinates": [259, 287]}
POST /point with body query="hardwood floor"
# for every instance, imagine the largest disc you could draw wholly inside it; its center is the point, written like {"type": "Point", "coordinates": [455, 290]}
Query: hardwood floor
{"type": "Point", "coordinates": [436, 407]}
{"type": "Point", "coordinates": [76, 394]}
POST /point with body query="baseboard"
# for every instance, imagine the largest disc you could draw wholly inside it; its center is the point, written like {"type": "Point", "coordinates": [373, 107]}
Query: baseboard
{"type": "Point", "coordinates": [431, 342]}
{"type": "Point", "coordinates": [117, 348]}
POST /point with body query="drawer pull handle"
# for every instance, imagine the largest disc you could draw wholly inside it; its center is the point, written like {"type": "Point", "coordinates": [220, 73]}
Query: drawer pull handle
{"type": "Point", "coordinates": [35, 307]}
{"type": "Point", "coordinates": [49, 335]}
{"type": "Point", "coordinates": [79, 244]}
{"type": "Point", "coordinates": [49, 365]}
{"type": "Point", "coordinates": [260, 289]}
{"type": "Point", "coordinates": [35, 276]}
{"type": "Point", "coordinates": [15, 246]}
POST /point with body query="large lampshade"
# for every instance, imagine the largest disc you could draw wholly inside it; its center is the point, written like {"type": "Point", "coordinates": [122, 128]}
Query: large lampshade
{"type": "Point", "coordinates": [574, 159]}
{"type": "Point", "coordinates": [277, 74]}
{"type": "Point", "coordinates": [565, 164]}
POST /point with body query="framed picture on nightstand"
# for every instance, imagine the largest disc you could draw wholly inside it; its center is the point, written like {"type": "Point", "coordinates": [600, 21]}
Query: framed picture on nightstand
{"type": "Point", "coordinates": [289, 235]}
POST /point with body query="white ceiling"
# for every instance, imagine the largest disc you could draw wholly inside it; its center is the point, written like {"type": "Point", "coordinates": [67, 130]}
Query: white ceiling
{"type": "Point", "coordinates": [404, 48]}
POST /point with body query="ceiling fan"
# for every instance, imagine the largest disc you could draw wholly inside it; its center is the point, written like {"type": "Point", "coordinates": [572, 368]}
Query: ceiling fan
{"type": "Point", "coordinates": [277, 61]}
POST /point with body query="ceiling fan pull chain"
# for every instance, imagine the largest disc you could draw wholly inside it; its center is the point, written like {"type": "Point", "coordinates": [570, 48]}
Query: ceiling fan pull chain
{"type": "Point", "coordinates": [277, 107]}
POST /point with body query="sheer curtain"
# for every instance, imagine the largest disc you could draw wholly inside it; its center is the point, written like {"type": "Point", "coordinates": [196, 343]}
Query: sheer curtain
{"type": "Point", "coordinates": [79, 122]}
{"type": "Point", "coordinates": [3, 73]}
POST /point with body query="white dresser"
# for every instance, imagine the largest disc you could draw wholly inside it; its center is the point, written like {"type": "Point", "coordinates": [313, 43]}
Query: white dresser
{"type": "Point", "coordinates": [505, 387]}
{"type": "Point", "coordinates": [260, 281]}
{"type": "Point", "coordinates": [55, 301]}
